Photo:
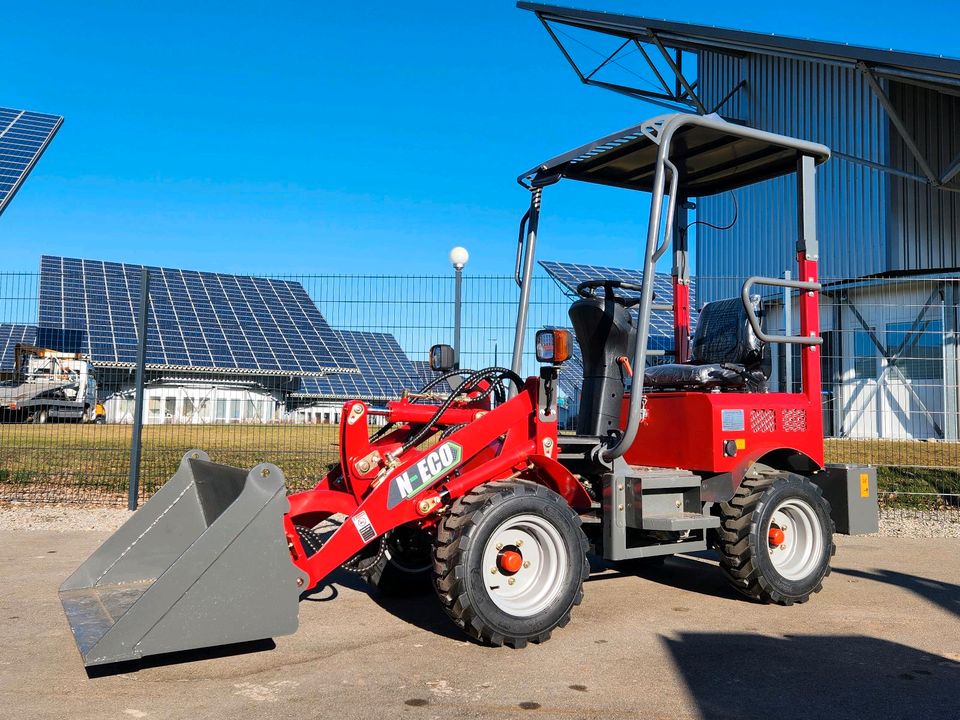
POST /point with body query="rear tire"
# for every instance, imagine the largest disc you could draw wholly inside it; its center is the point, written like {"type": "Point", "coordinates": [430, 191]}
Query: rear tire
{"type": "Point", "coordinates": [776, 538]}
{"type": "Point", "coordinates": [405, 566]}
{"type": "Point", "coordinates": [501, 601]}
{"type": "Point", "coordinates": [42, 417]}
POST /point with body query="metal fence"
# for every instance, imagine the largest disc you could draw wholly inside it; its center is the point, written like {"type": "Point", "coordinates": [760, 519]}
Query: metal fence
{"type": "Point", "coordinates": [890, 398]}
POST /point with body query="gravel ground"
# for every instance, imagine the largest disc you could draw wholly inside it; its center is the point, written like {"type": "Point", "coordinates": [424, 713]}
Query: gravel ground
{"type": "Point", "coordinates": [64, 518]}
{"type": "Point", "coordinates": [60, 518]}
{"type": "Point", "coordinates": [920, 524]}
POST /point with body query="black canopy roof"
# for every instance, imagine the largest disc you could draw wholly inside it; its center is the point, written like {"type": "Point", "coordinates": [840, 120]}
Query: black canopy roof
{"type": "Point", "coordinates": [711, 155]}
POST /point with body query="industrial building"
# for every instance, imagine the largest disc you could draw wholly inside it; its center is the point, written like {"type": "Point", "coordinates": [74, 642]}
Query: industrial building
{"type": "Point", "coordinates": [889, 201]}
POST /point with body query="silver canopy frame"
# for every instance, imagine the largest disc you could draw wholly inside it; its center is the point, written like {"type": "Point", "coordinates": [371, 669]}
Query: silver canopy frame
{"type": "Point", "coordinates": [704, 155]}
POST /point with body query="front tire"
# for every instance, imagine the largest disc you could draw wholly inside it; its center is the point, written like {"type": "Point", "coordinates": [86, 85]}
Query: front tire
{"type": "Point", "coordinates": [509, 563]}
{"type": "Point", "coordinates": [776, 538]}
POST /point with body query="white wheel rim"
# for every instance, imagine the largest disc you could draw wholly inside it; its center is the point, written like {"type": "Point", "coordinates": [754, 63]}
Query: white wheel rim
{"type": "Point", "coordinates": [543, 573]}
{"type": "Point", "coordinates": [799, 554]}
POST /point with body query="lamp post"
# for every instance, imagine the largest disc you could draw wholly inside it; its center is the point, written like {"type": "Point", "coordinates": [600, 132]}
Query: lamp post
{"type": "Point", "coordinates": [458, 258]}
{"type": "Point", "coordinates": [495, 343]}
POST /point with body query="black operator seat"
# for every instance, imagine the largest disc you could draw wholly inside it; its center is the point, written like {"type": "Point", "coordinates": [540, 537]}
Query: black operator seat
{"type": "Point", "coordinates": [726, 353]}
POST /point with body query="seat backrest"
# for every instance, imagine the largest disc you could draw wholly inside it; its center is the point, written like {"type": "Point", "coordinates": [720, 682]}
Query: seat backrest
{"type": "Point", "coordinates": [724, 335]}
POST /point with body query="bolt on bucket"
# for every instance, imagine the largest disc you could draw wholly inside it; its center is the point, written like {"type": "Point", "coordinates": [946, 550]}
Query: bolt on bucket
{"type": "Point", "coordinates": [203, 563]}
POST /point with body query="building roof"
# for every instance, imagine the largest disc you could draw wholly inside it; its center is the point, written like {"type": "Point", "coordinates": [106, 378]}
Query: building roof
{"type": "Point", "coordinates": [688, 36]}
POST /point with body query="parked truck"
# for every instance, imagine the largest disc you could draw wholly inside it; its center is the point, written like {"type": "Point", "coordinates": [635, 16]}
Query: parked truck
{"type": "Point", "coordinates": [50, 385]}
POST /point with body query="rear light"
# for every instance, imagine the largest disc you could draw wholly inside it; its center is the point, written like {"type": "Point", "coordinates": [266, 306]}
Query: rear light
{"type": "Point", "coordinates": [554, 346]}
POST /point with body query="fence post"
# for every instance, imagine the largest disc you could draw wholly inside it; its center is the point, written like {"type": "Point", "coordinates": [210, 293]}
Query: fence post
{"type": "Point", "coordinates": [133, 486]}
{"type": "Point", "coordinates": [787, 330]}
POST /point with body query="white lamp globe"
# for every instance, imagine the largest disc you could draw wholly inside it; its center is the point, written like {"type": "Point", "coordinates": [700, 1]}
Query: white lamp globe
{"type": "Point", "coordinates": [459, 257]}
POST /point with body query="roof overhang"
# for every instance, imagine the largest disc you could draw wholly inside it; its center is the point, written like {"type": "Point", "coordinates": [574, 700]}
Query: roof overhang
{"type": "Point", "coordinates": [694, 38]}
{"type": "Point", "coordinates": [711, 156]}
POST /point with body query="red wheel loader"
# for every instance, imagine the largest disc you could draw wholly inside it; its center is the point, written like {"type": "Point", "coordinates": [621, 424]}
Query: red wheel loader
{"type": "Point", "coordinates": [480, 495]}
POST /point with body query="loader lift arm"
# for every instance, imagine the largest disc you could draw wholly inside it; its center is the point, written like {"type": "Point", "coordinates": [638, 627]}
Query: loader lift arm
{"type": "Point", "coordinates": [490, 444]}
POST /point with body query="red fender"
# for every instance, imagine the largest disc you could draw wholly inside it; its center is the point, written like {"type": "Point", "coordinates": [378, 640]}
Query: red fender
{"type": "Point", "coordinates": [561, 481]}
{"type": "Point", "coordinates": [321, 502]}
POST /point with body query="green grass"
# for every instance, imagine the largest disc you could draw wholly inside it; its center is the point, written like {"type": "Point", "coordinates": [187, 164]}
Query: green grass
{"type": "Point", "coordinates": [91, 462]}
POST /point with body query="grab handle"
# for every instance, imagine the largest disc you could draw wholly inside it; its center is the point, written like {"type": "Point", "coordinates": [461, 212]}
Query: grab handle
{"type": "Point", "coordinates": [520, 240]}
{"type": "Point", "coordinates": [755, 321]}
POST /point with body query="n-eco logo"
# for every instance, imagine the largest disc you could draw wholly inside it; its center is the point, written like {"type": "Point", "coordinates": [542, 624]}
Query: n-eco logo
{"type": "Point", "coordinates": [431, 467]}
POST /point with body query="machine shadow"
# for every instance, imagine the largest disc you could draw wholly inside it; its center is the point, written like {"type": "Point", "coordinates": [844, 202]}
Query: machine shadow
{"type": "Point", "coordinates": [686, 572]}
{"type": "Point", "coordinates": [942, 594]}
{"type": "Point", "coordinates": [813, 676]}
{"type": "Point", "coordinates": [177, 658]}
{"type": "Point", "coordinates": [420, 609]}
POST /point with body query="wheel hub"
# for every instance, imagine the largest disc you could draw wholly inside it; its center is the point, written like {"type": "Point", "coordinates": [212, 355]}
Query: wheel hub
{"type": "Point", "coordinates": [510, 561]}
{"type": "Point", "coordinates": [795, 539]}
{"type": "Point", "coordinates": [527, 561]}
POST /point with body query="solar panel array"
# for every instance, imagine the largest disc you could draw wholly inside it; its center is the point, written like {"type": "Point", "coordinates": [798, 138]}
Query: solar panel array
{"type": "Point", "coordinates": [424, 375]}
{"type": "Point", "coordinates": [23, 138]}
{"type": "Point", "coordinates": [10, 335]}
{"type": "Point", "coordinates": [571, 374]}
{"type": "Point", "coordinates": [569, 275]}
{"type": "Point", "coordinates": [385, 370]}
{"type": "Point", "coordinates": [197, 321]}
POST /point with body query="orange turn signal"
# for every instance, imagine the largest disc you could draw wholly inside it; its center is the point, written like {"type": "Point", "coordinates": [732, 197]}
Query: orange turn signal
{"type": "Point", "coordinates": [554, 346]}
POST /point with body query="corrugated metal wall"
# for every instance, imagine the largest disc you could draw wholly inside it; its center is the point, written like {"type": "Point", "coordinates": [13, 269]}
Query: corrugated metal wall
{"type": "Point", "coordinates": [924, 221]}
{"type": "Point", "coordinates": [816, 102]}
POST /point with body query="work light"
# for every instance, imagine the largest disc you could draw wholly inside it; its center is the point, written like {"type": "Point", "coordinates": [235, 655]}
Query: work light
{"type": "Point", "coordinates": [554, 346]}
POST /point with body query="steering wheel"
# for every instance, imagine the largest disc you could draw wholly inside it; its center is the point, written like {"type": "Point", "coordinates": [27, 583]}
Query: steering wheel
{"type": "Point", "coordinates": [587, 289]}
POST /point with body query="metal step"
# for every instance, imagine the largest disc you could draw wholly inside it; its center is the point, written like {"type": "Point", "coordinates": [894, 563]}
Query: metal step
{"type": "Point", "coordinates": [668, 479]}
{"type": "Point", "coordinates": [678, 522]}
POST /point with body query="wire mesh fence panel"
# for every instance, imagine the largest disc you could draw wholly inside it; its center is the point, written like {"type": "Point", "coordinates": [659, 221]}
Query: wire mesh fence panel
{"type": "Point", "coordinates": [236, 366]}
{"type": "Point", "coordinates": [228, 366]}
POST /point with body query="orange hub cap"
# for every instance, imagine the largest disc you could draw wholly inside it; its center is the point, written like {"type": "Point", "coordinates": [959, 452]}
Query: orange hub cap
{"type": "Point", "coordinates": [776, 537]}
{"type": "Point", "coordinates": [510, 561]}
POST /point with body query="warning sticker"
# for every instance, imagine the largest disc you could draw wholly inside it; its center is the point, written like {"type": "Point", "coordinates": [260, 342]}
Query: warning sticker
{"type": "Point", "coordinates": [364, 526]}
{"type": "Point", "coordinates": [864, 485]}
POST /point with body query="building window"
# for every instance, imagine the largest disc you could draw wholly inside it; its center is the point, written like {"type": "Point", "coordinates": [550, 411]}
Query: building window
{"type": "Point", "coordinates": [922, 354]}
{"type": "Point", "coordinates": [125, 407]}
{"type": "Point", "coordinates": [188, 408]}
{"type": "Point", "coordinates": [154, 407]}
{"type": "Point", "coordinates": [170, 409]}
{"type": "Point", "coordinates": [221, 411]}
{"type": "Point", "coordinates": [234, 411]}
{"type": "Point", "coordinates": [864, 356]}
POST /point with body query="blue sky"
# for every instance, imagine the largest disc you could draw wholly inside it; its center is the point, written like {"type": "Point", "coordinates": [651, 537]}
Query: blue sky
{"type": "Point", "coordinates": [289, 138]}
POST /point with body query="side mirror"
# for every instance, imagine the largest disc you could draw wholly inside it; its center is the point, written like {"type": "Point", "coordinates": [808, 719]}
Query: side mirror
{"type": "Point", "coordinates": [442, 358]}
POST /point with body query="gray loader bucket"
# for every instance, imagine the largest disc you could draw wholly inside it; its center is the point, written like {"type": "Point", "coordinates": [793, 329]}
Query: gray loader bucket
{"type": "Point", "coordinates": [203, 563]}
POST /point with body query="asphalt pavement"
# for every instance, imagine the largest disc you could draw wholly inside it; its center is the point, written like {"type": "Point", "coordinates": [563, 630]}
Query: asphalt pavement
{"type": "Point", "coordinates": [881, 641]}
